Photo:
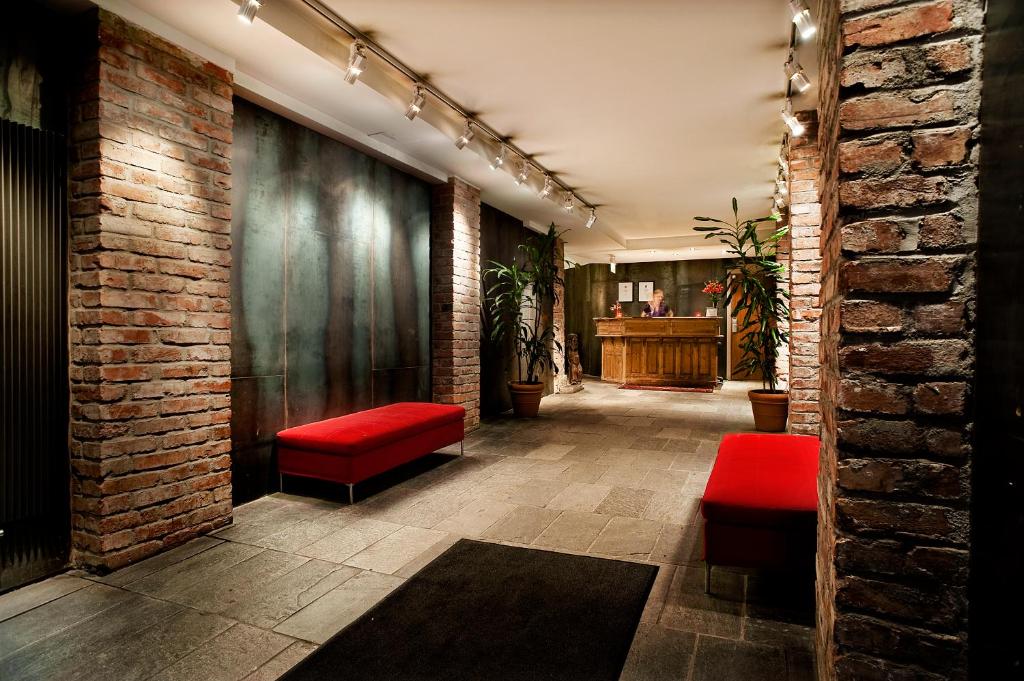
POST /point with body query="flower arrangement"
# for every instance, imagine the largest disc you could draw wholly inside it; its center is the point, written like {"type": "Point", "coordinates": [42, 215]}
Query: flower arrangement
{"type": "Point", "coordinates": [616, 309]}
{"type": "Point", "coordinates": [714, 289]}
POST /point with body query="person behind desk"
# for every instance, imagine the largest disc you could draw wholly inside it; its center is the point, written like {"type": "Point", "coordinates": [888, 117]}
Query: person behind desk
{"type": "Point", "coordinates": [656, 306]}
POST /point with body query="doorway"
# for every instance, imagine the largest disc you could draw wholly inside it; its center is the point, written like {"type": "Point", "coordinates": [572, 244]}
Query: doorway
{"type": "Point", "coordinates": [997, 509]}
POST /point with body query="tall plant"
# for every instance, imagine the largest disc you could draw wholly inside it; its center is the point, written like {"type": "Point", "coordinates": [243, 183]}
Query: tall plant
{"type": "Point", "coordinates": [755, 282]}
{"type": "Point", "coordinates": [518, 301]}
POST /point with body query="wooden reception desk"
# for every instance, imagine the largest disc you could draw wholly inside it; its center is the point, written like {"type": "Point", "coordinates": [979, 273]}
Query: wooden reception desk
{"type": "Point", "coordinates": [675, 351]}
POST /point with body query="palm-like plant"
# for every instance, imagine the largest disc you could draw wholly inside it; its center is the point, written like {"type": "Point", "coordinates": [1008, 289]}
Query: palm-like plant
{"type": "Point", "coordinates": [756, 283]}
{"type": "Point", "coordinates": [519, 300]}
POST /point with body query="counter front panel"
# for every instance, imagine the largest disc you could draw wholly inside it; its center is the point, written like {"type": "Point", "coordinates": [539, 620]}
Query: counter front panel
{"type": "Point", "coordinates": [667, 351]}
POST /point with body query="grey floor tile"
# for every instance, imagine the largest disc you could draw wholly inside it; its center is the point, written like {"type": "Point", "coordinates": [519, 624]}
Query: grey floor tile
{"type": "Point", "coordinates": [688, 608]}
{"type": "Point", "coordinates": [198, 568]}
{"type": "Point", "coordinates": [133, 573]}
{"type": "Point", "coordinates": [282, 662]}
{"type": "Point", "coordinates": [229, 588]}
{"type": "Point", "coordinates": [579, 496]}
{"type": "Point", "coordinates": [270, 603]}
{"type": "Point", "coordinates": [422, 560]}
{"type": "Point", "coordinates": [664, 480]}
{"type": "Point", "coordinates": [342, 544]}
{"type": "Point", "coordinates": [627, 538]}
{"type": "Point", "coordinates": [673, 508]}
{"type": "Point", "coordinates": [338, 608]}
{"type": "Point", "coordinates": [232, 655]}
{"type": "Point", "coordinates": [721, 660]}
{"type": "Point", "coordinates": [626, 502]}
{"type": "Point", "coordinates": [396, 550]}
{"type": "Point", "coordinates": [522, 525]}
{"type": "Point", "coordinates": [537, 492]}
{"type": "Point", "coordinates": [59, 614]}
{"type": "Point", "coordinates": [573, 531]}
{"type": "Point", "coordinates": [72, 645]}
{"type": "Point", "coordinates": [32, 596]}
{"type": "Point", "coordinates": [659, 654]}
{"type": "Point", "coordinates": [679, 545]}
{"type": "Point", "coordinates": [475, 517]}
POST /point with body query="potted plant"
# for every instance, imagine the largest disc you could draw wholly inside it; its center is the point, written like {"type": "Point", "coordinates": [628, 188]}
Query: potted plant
{"type": "Point", "coordinates": [714, 291]}
{"type": "Point", "coordinates": [761, 308]}
{"type": "Point", "coordinates": [520, 301]}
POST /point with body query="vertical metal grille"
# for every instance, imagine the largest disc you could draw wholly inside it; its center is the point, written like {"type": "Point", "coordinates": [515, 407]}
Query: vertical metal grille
{"type": "Point", "coordinates": [34, 461]}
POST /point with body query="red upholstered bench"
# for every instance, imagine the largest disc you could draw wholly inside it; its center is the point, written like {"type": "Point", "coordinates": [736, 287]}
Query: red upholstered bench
{"type": "Point", "coordinates": [761, 502]}
{"type": "Point", "coordinates": [349, 449]}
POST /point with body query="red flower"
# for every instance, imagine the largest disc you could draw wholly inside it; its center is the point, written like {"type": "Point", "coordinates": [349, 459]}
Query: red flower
{"type": "Point", "coordinates": [713, 288]}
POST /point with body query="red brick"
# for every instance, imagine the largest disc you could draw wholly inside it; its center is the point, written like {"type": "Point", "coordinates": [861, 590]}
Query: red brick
{"type": "Point", "coordinates": [891, 26]}
{"type": "Point", "coordinates": [936, 148]}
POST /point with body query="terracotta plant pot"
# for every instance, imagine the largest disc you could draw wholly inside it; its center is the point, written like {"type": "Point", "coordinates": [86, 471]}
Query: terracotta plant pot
{"type": "Point", "coordinates": [771, 409]}
{"type": "Point", "coordinates": [525, 397]}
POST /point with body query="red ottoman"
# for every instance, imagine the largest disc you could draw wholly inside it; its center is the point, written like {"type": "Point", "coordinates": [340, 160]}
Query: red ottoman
{"type": "Point", "coordinates": [760, 505]}
{"type": "Point", "coordinates": [349, 449]}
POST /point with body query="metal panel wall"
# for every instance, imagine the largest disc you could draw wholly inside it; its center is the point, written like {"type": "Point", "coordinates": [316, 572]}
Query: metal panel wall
{"type": "Point", "coordinates": [330, 284]}
{"type": "Point", "coordinates": [34, 493]}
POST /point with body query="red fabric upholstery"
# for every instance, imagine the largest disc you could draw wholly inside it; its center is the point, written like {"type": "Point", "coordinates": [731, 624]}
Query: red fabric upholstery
{"type": "Point", "coordinates": [761, 500]}
{"type": "Point", "coordinates": [352, 448]}
{"type": "Point", "coordinates": [365, 431]}
{"type": "Point", "coordinates": [763, 480]}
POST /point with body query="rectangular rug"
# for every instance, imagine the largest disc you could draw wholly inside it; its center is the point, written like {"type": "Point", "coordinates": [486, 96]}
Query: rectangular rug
{"type": "Point", "coordinates": [488, 611]}
{"type": "Point", "coordinates": [666, 388]}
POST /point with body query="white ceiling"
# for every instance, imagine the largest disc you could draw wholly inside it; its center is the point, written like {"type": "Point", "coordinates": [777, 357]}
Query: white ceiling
{"type": "Point", "coordinates": [654, 110]}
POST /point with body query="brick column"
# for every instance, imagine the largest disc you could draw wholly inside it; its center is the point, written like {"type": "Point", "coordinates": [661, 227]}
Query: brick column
{"type": "Point", "coordinates": [804, 278]}
{"type": "Point", "coordinates": [149, 309]}
{"type": "Point", "coordinates": [899, 100]}
{"type": "Point", "coordinates": [455, 296]}
{"type": "Point", "coordinates": [558, 320]}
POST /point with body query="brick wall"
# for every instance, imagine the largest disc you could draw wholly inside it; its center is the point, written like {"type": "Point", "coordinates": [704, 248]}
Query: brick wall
{"type": "Point", "coordinates": [805, 277]}
{"type": "Point", "coordinates": [149, 310]}
{"type": "Point", "coordinates": [898, 111]}
{"type": "Point", "coordinates": [455, 296]}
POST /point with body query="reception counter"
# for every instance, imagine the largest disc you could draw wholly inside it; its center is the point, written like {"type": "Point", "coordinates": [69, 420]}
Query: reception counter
{"type": "Point", "coordinates": [667, 351]}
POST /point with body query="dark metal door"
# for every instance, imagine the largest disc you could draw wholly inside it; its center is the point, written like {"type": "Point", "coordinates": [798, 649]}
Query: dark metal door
{"type": "Point", "coordinates": [997, 519]}
{"type": "Point", "coordinates": [34, 493]}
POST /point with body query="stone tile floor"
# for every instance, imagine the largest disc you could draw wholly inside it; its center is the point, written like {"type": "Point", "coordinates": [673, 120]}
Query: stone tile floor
{"type": "Point", "coordinates": [606, 472]}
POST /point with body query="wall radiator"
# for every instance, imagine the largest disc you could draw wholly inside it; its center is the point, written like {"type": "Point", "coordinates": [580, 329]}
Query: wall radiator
{"type": "Point", "coordinates": [34, 462]}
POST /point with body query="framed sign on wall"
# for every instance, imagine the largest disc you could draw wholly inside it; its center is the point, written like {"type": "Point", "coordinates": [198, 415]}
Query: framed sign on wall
{"type": "Point", "coordinates": [625, 292]}
{"type": "Point", "coordinates": [646, 290]}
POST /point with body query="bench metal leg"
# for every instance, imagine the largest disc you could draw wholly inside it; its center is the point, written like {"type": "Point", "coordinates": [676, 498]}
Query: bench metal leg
{"type": "Point", "coordinates": [280, 482]}
{"type": "Point", "coordinates": [462, 447]}
{"type": "Point", "coordinates": [351, 494]}
{"type": "Point", "coordinates": [707, 577]}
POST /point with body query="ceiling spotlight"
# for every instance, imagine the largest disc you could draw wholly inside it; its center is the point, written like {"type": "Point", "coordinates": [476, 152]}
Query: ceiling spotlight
{"type": "Point", "coordinates": [546, 189]}
{"type": "Point", "coordinates": [523, 174]}
{"type": "Point", "coordinates": [465, 137]}
{"type": "Point", "coordinates": [592, 218]}
{"type": "Point", "coordinates": [499, 158]}
{"type": "Point", "coordinates": [783, 164]}
{"type": "Point", "coordinates": [247, 11]}
{"type": "Point", "coordinates": [567, 204]}
{"type": "Point", "coordinates": [795, 126]}
{"type": "Point", "coordinates": [356, 62]}
{"type": "Point", "coordinates": [780, 184]}
{"type": "Point", "coordinates": [416, 105]}
{"type": "Point", "coordinates": [796, 74]}
{"type": "Point", "coordinates": [611, 263]}
{"type": "Point", "coordinates": [802, 18]}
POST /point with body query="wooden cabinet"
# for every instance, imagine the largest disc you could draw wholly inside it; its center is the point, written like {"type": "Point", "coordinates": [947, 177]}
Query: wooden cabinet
{"type": "Point", "coordinates": [671, 351]}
